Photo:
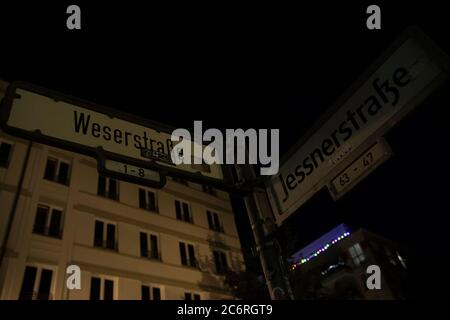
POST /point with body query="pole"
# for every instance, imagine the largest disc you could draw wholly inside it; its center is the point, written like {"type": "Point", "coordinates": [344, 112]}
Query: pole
{"type": "Point", "coordinates": [268, 250]}
{"type": "Point", "coordinates": [14, 206]}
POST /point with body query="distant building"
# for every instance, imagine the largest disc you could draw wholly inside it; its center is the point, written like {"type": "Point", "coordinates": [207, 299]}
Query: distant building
{"type": "Point", "coordinates": [334, 266]}
{"type": "Point", "coordinates": [131, 242]}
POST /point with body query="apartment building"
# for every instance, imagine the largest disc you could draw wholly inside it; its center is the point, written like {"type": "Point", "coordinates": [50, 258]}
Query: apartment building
{"type": "Point", "coordinates": [129, 241]}
{"type": "Point", "coordinates": [335, 266]}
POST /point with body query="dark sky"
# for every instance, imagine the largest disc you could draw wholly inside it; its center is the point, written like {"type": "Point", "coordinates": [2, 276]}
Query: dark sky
{"type": "Point", "coordinates": [260, 66]}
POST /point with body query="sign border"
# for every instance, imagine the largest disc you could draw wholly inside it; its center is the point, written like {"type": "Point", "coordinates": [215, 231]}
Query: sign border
{"type": "Point", "coordinates": [7, 104]}
{"type": "Point", "coordinates": [386, 156]}
{"type": "Point", "coordinates": [440, 59]}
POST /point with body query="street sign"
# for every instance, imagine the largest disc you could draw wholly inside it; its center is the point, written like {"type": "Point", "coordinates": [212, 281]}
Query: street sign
{"type": "Point", "coordinates": [131, 171]}
{"type": "Point", "coordinates": [359, 169]}
{"type": "Point", "coordinates": [65, 122]}
{"type": "Point", "coordinates": [410, 70]}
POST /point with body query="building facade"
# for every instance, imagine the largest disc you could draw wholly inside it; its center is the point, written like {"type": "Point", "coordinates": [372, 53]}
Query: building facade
{"type": "Point", "coordinates": [129, 241]}
{"type": "Point", "coordinates": [335, 267]}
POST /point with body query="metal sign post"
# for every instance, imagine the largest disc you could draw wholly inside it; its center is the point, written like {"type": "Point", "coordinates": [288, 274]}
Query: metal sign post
{"type": "Point", "coordinates": [269, 251]}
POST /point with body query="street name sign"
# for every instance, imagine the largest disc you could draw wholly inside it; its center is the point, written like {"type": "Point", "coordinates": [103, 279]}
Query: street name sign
{"type": "Point", "coordinates": [77, 125]}
{"type": "Point", "coordinates": [359, 169]}
{"type": "Point", "coordinates": [410, 70]}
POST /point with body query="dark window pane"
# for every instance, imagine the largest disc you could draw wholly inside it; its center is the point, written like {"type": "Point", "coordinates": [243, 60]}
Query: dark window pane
{"type": "Point", "coordinates": [187, 296]}
{"type": "Point", "coordinates": [144, 245]}
{"type": "Point", "coordinates": [112, 192]}
{"type": "Point", "coordinates": [186, 212]}
{"type": "Point", "coordinates": [41, 220]}
{"type": "Point", "coordinates": [156, 294]}
{"type": "Point", "coordinates": [216, 222]}
{"type": "Point", "coordinates": [95, 289]}
{"type": "Point", "coordinates": [154, 246]}
{"type": "Point", "coordinates": [111, 236]}
{"type": "Point", "coordinates": [45, 284]}
{"type": "Point", "coordinates": [5, 149]}
{"type": "Point", "coordinates": [101, 189]}
{"type": "Point", "coordinates": [145, 292]}
{"type": "Point", "coordinates": [210, 220]}
{"type": "Point", "coordinates": [223, 261]}
{"type": "Point", "coordinates": [142, 203]}
{"type": "Point", "coordinates": [55, 223]}
{"type": "Point", "coordinates": [50, 169]}
{"type": "Point", "coordinates": [29, 277]}
{"type": "Point", "coordinates": [63, 174]}
{"type": "Point", "coordinates": [109, 290]}
{"type": "Point", "coordinates": [178, 209]}
{"type": "Point", "coordinates": [183, 254]}
{"type": "Point", "coordinates": [192, 255]}
{"type": "Point", "coordinates": [151, 201]}
{"type": "Point", "coordinates": [217, 262]}
{"type": "Point", "coordinates": [98, 234]}
{"type": "Point", "coordinates": [196, 297]}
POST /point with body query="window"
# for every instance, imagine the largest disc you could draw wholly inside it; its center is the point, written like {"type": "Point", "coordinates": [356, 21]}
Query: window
{"type": "Point", "coordinates": [182, 211]}
{"type": "Point", "coordinates": [150, 293]}
{"type": "Point", "coordinates": [57, 171]}
{"type": "Point", "coordinates": [357, 254]}
{"type": "Point", "coordinates": [191, 296]}
{"type": "Point", "coordinates": [36, 284]}
{"type": "Point", "coordinates": [149, 246]}
{"type": "Point", "coordinates": [147, 200]}
{"type": "Point", "coordinates": [213, 221]}
{"type": "Point", "coordinates": [105, 237]}
{"type": "Point", "coordinates": [101, 289]}
{"type": "Point", "coordinates": [5, 154]}
{"type": "Point", "coordinates": [187, 254]}
{"type": "Point", "coordinates": [108, 188]}
{"type": "Point", "coordinates": [220, 260]}
{"type": "Point", "coordinates": [48, 221]}
{"type": "Point", "coordinates": [208, 189]}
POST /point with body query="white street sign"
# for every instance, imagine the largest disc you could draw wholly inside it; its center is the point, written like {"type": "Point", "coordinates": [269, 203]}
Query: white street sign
{"type": "Point", "coordinates": [65, 123]}
{"type": "Point", "coordinates": [131, 170]}
{"type": "Point", "coordinates": [408, 72]}
{"type": "Point", "coordinates": [359, 169]}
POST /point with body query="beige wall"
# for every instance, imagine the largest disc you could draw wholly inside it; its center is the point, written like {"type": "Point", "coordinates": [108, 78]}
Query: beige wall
{"type": "Point", "coordinates": [81, 207]}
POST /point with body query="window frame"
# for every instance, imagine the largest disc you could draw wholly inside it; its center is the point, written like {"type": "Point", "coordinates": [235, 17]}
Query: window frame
{"type": "Point", "coordinates": [9, 156]}
{"type": "Point", "coordinates": [107, 190]}
{"type": "Point", "coordinates": [50, 209]}
{"type": "Point", "coordinates": [38, 278]}
{"type": "Point", "coordinates": [184, 204]}
{"type": "Point", "coordinates": [149, 245]}
{"type": "Point", "coordinates": [103, 280]}
{"type": "Point", "coordinates": [56, 173]}
{"type": "Point", "coordinates": [152, 286]}
{"type": "Point", "coordinates": [105, 235]}
{"type": "Point", "coordinates": [187, 253]}
{"type": "Point", "coordinates": [147, 199]}
{"type": "Point", "coordinates": [223, 261]}
{"type": "Point", "coordinates": [357, 257]}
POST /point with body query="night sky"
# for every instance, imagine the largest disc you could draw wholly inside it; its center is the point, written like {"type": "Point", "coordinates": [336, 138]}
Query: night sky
{"type": "Point", "coordinates": [257, 67]}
